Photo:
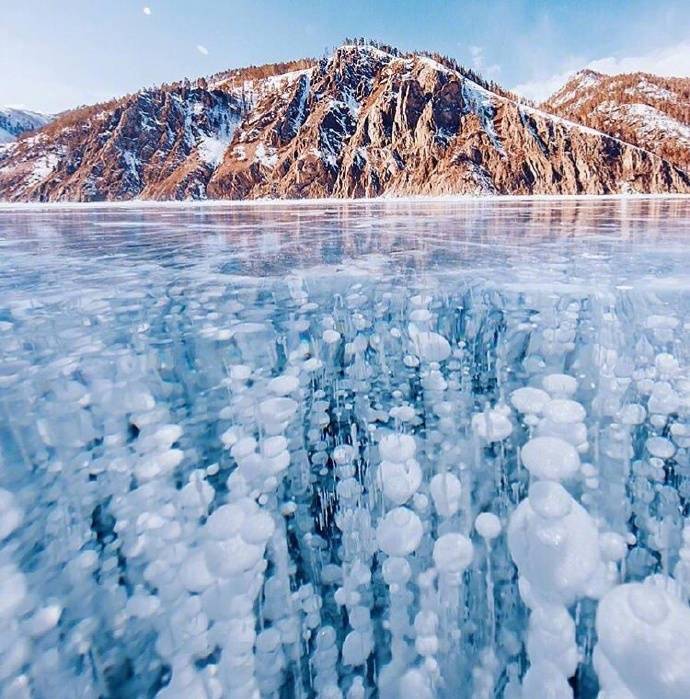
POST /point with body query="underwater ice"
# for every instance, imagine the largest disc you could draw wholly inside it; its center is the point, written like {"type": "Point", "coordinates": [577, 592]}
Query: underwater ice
{"type": "Point", "coordinates": [344, 473]}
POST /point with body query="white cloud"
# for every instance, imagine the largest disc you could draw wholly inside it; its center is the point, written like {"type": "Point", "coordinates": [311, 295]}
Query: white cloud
{"type": "Point", "coordinates": [147, 11]}
{"type": "Point", "coordinates": [539, 90]}
{"type": "Point", "coordinates": [477, 53]}
{"type": "Point", "coordinates": [670, 61]}
{"type": "Point", "coordinates": [479, 62]}
{"type": "Point", "coordinates": [202, 49]}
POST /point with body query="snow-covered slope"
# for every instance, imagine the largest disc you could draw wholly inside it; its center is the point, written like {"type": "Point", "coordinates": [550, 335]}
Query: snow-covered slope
{"type": "Point", "coordinates": [366, 121]}
{"type": "Point", "coordinates": [15, 122]}
{"type": "Point", "coordinates": [646, 110]}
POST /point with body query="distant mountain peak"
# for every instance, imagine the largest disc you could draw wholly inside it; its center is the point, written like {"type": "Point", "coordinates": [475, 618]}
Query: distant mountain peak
{"type": "Point", "coordinates": [649, 111]}
{"type": "Point", "coordinates": [589, 73]}
{"type": "Point", "coordinates": [15, 122]}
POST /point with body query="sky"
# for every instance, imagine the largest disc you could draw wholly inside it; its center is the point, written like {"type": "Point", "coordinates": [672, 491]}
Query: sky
{"type": "Point", "coordinates": [58, 54]}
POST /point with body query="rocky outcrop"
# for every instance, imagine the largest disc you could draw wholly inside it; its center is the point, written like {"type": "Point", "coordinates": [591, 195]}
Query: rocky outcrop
{"type": "Point", "coordinates": [365, 122]}
{"type": "Point", "coordinates": [646, 110]}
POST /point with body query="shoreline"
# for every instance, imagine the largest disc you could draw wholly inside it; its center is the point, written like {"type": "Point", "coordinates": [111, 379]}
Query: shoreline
{"type": "Point", "coordinates": [330, 201]}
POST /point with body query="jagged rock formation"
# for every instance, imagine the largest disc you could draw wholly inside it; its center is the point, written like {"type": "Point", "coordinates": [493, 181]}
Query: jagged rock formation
{"type": "Point", "coordinates": [646, 110]}
{"type": "Point", "coordinates": [15, 122]}
{"type": "Point", "coordinates": [364, 122]}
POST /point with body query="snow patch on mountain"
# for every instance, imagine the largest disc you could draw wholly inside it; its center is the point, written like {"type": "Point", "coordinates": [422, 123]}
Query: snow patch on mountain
{"type": "Point", "coordinates": [212, 150]}
{"type": "Point", "coordinates": [285, 80]}
{"type": "Point", "coordinates": [212, 147]}
{"type": "Point", "coordinates": [579, 83]}
{"type": "Point", "coordinates": [265, 155]}
{"type": "Point", "coordinates": [43, 167]}
{"type": "Point", "coordinates": [652, 91]}
{"type": "Point", "coordinates": [15, 122]}
{"type": "Point", "coordinates": [648, 120]}
{"type": "Point", "coordinates": [479, 101]}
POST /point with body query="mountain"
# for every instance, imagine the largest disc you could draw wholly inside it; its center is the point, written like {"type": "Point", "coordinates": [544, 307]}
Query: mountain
{"type": "Point", "coordinates": [646, 110]}
{"type": "Point", "coordinates": [15, 122]}
{"type": "Point", "coordinates": [366, 121]}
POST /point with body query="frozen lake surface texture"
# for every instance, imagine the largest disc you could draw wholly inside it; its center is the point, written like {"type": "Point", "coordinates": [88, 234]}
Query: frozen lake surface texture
{"type": "Point", "coordinates": [396, 450]}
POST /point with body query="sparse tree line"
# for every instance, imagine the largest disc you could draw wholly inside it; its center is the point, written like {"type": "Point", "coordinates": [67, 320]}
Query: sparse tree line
{"type": "Point", "coordinates": [444, 60]}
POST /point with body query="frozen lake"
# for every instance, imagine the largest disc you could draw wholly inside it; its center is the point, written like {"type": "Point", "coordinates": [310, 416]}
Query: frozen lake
{"type": "Point", "coordinates": [398, 450]}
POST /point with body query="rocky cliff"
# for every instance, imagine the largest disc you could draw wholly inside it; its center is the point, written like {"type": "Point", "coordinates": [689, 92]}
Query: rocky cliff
{"type": "Point", "coordinates": [364, 122]}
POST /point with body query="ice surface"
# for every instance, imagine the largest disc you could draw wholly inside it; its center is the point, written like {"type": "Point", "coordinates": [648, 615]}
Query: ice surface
{"type": "Point", "coordinates": [345, 451]}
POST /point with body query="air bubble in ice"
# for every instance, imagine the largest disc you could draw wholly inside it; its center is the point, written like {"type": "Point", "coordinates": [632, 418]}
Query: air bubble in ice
{"type": "Point", "coordinates": [550, 458]}
{"type": "Point", "coordinates": [400, 532]}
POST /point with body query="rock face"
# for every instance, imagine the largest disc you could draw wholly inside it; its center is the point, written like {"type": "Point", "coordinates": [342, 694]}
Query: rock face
{"type": "Point", "coordinates": [646, 110]}
{"type": "Point", "coordinates": [365, 122]}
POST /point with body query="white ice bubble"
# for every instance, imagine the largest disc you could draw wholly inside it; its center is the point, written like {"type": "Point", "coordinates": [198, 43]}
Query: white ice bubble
{"type": "Point", "coordinates": [564, 411]}
{"type": "Point", "coordinates": [272, 446]}
{"type": "Point", "coordinates": [277, 410]}
{"type": "Point", "coordinates": [550, 458]}
{"type": "Point", "coordinates": [397, 447]}
{"type": "Point", "coordinates": [549, 501]}
{"type": "Point", "coordinates": [543, 679]}
{"type": "Point", "coordinates": [420, 315]}
{"type": "Point", "coordinates": [357, 647]}
{"type": "Point", "coordinates": [554, 543]}
{"type": "Point", "coordinates": [613, 546]}
{"type": "Point", "coordinates": [330, 337]}
{"type": "Point", "coordinates": [492, 425]}
{"type": "Point", "coordinates": [632, 414]}
{"type": "Point", "coordinates": [404, 413]}
{"type": "Point", "coordinates": [643, 644]}
{"type": "Point", "coordinates": [488, 525]}
{"type": "Point", "coordinates": [415, 684]}
{"type": "Point", "coordinates": [243, 447]}
{"type": "Point", "coordinates": [399, 481]}
{"type": "Point", "coordinates": [194, 573]}
{"type": "Point", "coordinates": [452, 553]}
{"type": "Point", "coordinates": [10, 514]}
{"type": "Point", "coordinates": [663, 399]}
{"type": "Point", "coordinates": [560, 385]}
{"type": "Point", "coordinates": [666, 364]}
{"type": "Point", "coordinates": [158, 464]}
{"type": "Point", "coordinates": [44, 619]}
{"type": "Point", "coordinates": [529, 400]}
{"type": "Point", "coordinates": [312, 364]}
{"type": "Point", "coordinates": [396, 571]}
{"type": "Point", "coordinates": [430, 346]}
{"type": "Point", "coordinates": [240, 372]}
{"type": "Point", "coordinates": [283, 385]}
{"type": "Point", "coordinates": [231, 556]}
{"type": "Point", "coordinates": [400, 532]}
{"type": "Point", "coordinates": [660, 447]}
{"type": "Point", "coordinates": [227, 520]}
{"type": "Point", "coordinates": [446, 491]}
